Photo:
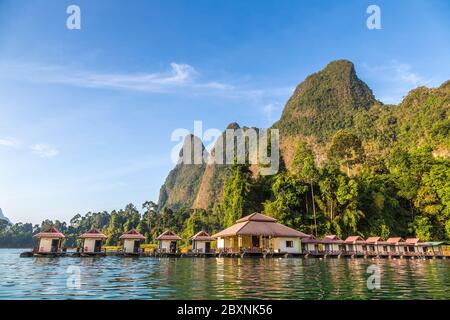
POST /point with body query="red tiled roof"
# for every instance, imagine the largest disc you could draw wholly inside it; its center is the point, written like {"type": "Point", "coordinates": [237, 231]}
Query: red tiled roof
{"type": "Point", "coordinates": [93, 234]}
{"type": "Point", "coordinates": [202, 236]}
{"type": "Point", "coordinates": [413, 241]}
{"type": "Point", "coordinates": [132, 234]}
{"type": "Point", "coordinates": [51, 232]}
{"type": "Point", "coordinates": [332, 239]}
{"type": "Point", "coordinates": [394, 240]}
{"type": "Point", "coordinates": [373, 240]}
{"type": "Point", "coordinates": [354, 239]}
{"type": "Point", "coordinates": [168, 235]}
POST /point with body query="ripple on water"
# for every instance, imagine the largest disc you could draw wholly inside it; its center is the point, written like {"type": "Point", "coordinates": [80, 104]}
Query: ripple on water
{"type": "Point", "coordinates": [220, 278]}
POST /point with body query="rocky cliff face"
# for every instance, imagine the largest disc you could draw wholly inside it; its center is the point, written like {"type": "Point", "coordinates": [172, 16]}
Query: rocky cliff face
{"type": "Point", "coordinates": [181, 186]}
{"type": "Point", "coordinates": [324, 103]}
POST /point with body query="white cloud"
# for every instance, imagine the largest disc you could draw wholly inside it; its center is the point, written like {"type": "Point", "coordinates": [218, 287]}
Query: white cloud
{"type": "Point", "coordinates": [179, 77]}
{"type": "Point", "coordinates": [44, 151]}
{"type": "Point", "coordinates": [396, 79]}
{"type": "Point", "coordinates": [8, 142]}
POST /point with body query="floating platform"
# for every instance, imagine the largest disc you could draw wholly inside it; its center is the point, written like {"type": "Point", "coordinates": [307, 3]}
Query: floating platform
{"type": "Point", "coordinates": [320, 255]}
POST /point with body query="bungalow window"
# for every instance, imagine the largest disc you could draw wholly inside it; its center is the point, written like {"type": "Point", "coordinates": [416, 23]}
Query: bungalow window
{"type": "Point", "coordinates": [289, 244]}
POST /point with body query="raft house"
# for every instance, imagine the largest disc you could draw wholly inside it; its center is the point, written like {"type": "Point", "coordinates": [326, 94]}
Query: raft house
{"type": "Point", "coordinates": [92, 243]}
{"type": "Point", "coordinates": [168, 243]}
{"type": "Point", "coordinates": [50, 243]}
{"type": "Point", "coordinates": [253, 235]}
{"type": "Point", "coordinates": [256, 235]}
{"type": "Point", "coordinates": [201, 243]}
{"type": "Point", "coordinates": [131, 243]}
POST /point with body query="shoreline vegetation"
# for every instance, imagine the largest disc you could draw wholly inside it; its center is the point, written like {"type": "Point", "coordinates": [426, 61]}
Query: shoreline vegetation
{"type": "Point", "coordinates": [350, 166]}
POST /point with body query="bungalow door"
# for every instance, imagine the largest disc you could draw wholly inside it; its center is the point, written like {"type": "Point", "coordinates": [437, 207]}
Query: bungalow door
{"type": "Point", "coordinates": [255, 241]}
{"type": "Point", "coordinates": [98, 246]}
{"type": "Point", "coordinates": [173, 246]}
{"type": "Point", "coordinates": [55, 245]}
{"type": "Point", "coordinates": [207, 247]}
{"type": "Point", "coordinates": [137, 246]}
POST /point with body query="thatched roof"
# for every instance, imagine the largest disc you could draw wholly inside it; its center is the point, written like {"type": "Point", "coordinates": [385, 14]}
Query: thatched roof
{"type": "Point", "coordinates": [93, 234]}
{"type": "Point", "coordinates": [373, 240]}
{"type": "Point", "coordinates": [51, 232]}
{"type": "Point", "coordinates": [168, 235]}
{"type": "Point", "coordinates": [260, 225]}
{"type": "Point", "coordinates": [132, 234]}
{"type": "Point", "coordinates": [202, 236]}
{"type": "Point", "coordinates": [354, 240]}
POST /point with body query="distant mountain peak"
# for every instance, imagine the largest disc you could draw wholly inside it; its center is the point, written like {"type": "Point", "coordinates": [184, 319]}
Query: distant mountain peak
{"type": "Point", "coordinates": [326, 101]}
{"type": "Point", "coordinates": [194, 145]}
{"type": "Point", "coordinates": [233, 125]}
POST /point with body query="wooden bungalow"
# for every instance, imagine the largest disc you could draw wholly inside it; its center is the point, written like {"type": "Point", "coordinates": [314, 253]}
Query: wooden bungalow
{"type": "Point", "coordinates": [355, 244]}
{"type": "Point", "coordinates": [256, 234]}
{"type": "Point", "coordinates": [167, 242]}
{"type": "Point", "coordinates": [311, 245]}
{"type": "Point", "coordinates": [131, 242]}
{"type": "Point", "coordinates": [441, 248]}
{"type": "Point", "coordinates": [333, 244]}
{"type": "Point", "coordinates": [50, 242]}
{"type": "Point", "coordinates": [201, 242]}
{"type": "Point", "coordinates": [372, 244]}
{"type": "Point", "coordinates": [395, 244]}
{"type": "Point", "coordinates": [92, 242]}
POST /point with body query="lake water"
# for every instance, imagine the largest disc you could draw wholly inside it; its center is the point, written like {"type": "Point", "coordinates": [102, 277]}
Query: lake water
{"type": "Point", "coordinates": [221, 278]}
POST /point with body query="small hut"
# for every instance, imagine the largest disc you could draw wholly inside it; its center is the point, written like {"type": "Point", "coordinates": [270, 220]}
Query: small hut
{"type": "Point", "coordinates": [372, 243]}
{"type": "Point", "coordinates": [92, 241]}
{"type": "Point", "coordinates": [167, 242]}
{"type": "Point", "coordinates": [131, 242]}
{"type": "Point", "coordinates": [333, 244]}
{"type": "Point", "coordinates": [50, 241]}
{"type": "Point", "coordinates": [394, 244]}
{"type": "Point", "coordinates": [413, 245]}
{"type": "Point", "coordinates": [201, 242]}
{"type": "Point", "coordinates": [355, 244]}
{"type": "Point", "coordinates": [311, 244]}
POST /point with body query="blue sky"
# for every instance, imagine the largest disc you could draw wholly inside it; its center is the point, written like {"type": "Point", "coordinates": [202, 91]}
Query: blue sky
{"type": "Point", "coordinates": [86, 115]}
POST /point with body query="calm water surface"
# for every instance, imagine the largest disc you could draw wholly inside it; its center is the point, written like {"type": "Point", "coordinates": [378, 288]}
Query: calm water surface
{"type": "Point", "coordinates": [224, 278]}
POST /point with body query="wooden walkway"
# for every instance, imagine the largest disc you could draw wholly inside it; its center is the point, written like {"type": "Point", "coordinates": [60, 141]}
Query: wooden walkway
{"type": "Point", "coordinates": [249, 254]}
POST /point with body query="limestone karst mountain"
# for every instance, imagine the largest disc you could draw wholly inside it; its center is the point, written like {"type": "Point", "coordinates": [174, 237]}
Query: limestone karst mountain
{"type": "Point", "coordinates": [324, 103]}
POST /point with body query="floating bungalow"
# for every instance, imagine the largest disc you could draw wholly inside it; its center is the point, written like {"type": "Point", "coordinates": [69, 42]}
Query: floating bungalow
{"type": "Point", "coordinates": [167, 242]}
{"type": "Point", "coordinates": [329, 245]}
{"type": "Point", "coordinates": [92, 242]}
{"type": "Point", "coordinates": [441, 249]}
{"type": "Point", "coordinates": [355, 245]}
{"type": "Point", "coordinates": [50, 242]}
{"type": "Point", "coordinates": [253, 235]}
{"type": "Point", "coordinates": [372, 244]}
{"type": "Point", "coordinates": [201, 242]}
{"type": "Point", "coordinates": [257, 234]}
{"type": "Point", "coordinates": [131, 242]}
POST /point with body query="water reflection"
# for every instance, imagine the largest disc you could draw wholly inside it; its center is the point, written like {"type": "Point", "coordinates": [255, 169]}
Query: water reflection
{"type": "Point", "coordinates": [220, 278]}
